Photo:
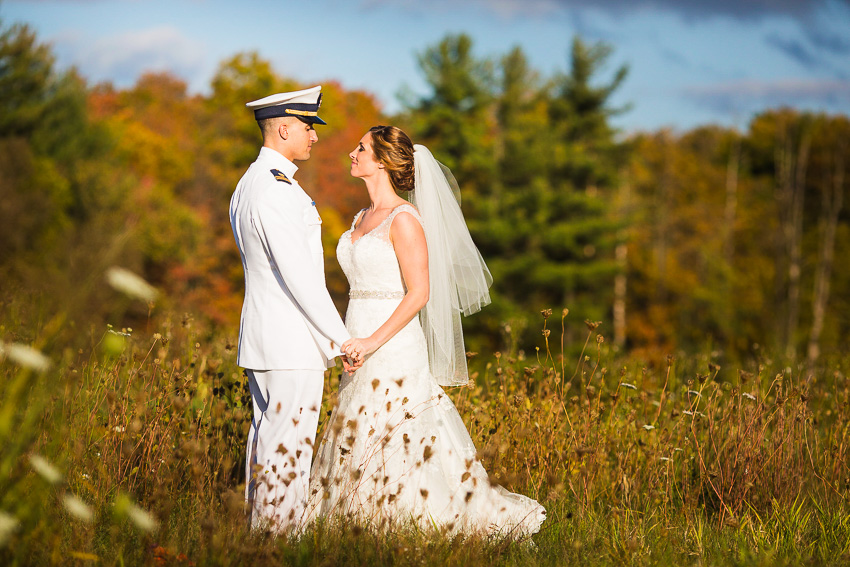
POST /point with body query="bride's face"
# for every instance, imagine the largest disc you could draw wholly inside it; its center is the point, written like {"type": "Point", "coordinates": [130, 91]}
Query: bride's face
{"type": "Point", "coordinates": [363, 162]}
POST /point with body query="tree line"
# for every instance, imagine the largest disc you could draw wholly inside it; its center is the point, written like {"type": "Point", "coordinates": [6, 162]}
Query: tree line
{"type": "Point", "coordinates": [712, 237]}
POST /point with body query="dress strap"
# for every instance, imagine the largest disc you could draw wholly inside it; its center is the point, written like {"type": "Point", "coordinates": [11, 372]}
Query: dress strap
{"type": "Point", "coordinates": [404, 209]}
{"type": "Point", "coordinates": [357, 216]}
{"type": "Point", "coordinates": [382, 231]}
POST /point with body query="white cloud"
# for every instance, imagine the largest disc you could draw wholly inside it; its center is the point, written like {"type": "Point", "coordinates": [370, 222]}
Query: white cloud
{"type": "Point", "coordinates": [122, 58]}
{"type": "Point", "coordinates": [736, 95]}
{"type": "Point", "coordinates": [783, 87]}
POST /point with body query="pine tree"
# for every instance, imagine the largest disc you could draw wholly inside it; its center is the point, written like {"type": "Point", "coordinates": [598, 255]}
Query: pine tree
{"type": "Point", "coordinates": [539, 163]}
{"type": "Point", "coordinates": [456, 119]}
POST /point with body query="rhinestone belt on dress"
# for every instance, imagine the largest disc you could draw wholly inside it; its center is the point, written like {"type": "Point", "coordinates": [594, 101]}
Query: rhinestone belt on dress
{"type": "Point", "coordinates": [369, 294]}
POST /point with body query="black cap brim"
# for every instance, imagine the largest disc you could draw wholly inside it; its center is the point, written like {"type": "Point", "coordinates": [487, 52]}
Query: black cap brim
{"type": "Point", "coordinates": [311, 120]}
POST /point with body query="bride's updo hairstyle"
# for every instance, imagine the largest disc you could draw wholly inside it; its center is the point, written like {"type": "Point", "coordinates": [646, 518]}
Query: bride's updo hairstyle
{"type": "Point", "coordinates": [394, 150]}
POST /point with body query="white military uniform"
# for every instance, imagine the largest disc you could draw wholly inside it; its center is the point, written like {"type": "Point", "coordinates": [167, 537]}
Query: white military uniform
{"type": "Point", "coordinates": [289, 334]}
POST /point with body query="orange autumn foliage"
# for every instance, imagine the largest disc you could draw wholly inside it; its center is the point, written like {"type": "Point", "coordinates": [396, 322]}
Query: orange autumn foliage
{"type": "Point", "coordinates": [168, 141]}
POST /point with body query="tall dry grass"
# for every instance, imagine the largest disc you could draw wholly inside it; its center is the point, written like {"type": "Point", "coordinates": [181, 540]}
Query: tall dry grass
{"type": "Point", "coordinates": [130, 451]}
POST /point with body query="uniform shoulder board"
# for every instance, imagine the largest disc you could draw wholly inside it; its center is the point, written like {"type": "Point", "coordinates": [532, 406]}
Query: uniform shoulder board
{"type": "Point", "coordinates": [280, 176]}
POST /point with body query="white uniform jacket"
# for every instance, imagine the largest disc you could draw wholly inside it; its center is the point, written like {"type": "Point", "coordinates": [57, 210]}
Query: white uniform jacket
{"type": "Point", "coordinates": [288, 318]}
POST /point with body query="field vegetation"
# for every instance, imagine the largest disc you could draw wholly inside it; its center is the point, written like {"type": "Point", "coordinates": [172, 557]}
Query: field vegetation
{"type": "Point", "coordinates": [691, 408]}
{"type": "Point", "coordinates": [130, 451]}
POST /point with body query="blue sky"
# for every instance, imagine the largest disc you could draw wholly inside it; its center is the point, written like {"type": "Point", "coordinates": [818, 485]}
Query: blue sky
{"type": "Point", "coordinates": [691, 62]}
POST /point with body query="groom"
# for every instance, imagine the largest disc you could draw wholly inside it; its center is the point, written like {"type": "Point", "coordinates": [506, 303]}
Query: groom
{"type": "Point", "coordinates": [290, 330]}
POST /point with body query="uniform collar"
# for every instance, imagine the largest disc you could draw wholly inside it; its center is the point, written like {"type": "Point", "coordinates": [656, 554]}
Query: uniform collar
{"type": "Point", "coordinates": [276, 159]}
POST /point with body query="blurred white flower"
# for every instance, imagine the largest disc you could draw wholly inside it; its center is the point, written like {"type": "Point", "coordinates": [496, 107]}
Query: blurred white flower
{"type": "Point", "coordinates": [627, 385]}
{"type": "Point", "coordinates": [45, 469]}
{"type": "Point", "coordinates": [8, 525]}
{"type": "Point", "coordinates": [25, 356]}
{"type": "Point", "coordinates": [749, 396]}
{"type": "Point", "coordinates": [118, 429]}
{"type": "Point", "coordinates": [649, 427]}
{"type": "Point", "coordinates": [143, 519]}
{"type": "Point", "coordinates": [77, 508]}
{"type": "Point", "coordinates": [665, 459]}
{"type": "Point", "coordinates": [129, 283]}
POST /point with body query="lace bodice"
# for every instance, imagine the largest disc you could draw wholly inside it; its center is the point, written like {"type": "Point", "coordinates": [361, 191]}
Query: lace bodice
{"type": "Point", "coordinates": [370, 262]}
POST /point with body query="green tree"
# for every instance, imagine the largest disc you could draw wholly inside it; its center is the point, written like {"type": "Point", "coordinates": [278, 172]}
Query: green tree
{"type": "Point", "coordinates": [61, 187]}
{"type": "Point", "coordinates": [44, 137]}
{"type": "Point", "coordinates": [456, 116]}
{"type": "Point", "coordinates": [537, 163]}
{"type": "Point", "coordinates": [26, 73]}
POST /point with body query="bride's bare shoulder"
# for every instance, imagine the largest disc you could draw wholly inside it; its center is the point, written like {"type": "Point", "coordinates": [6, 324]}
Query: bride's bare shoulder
{"type": "Point", "coordinates": [406, 225]}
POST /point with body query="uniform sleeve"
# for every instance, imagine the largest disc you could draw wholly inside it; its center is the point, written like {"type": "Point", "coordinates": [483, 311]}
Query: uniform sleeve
{"type": "Point", "coordinates": [281, 228]}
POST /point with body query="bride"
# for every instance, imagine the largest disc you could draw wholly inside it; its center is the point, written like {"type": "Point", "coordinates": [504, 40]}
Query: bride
{"type": "Point", "coordinates": [395, 449]}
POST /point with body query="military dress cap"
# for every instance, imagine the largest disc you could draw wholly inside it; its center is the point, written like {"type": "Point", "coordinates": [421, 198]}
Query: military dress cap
{"type": "Point", "coordinates": [303, 104]}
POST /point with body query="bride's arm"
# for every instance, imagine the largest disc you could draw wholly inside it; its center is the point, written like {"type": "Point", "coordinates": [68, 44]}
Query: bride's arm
{"type": "Point", "coordinates": [412, 252]}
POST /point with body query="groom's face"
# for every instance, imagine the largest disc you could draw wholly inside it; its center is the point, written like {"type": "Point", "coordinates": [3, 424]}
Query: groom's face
{"type": "Point", "coordinates": [300, 139]}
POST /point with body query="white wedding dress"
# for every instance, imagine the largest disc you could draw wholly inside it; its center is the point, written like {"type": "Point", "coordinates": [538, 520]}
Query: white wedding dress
{"type": "Point", "coordinates": [395, 449]}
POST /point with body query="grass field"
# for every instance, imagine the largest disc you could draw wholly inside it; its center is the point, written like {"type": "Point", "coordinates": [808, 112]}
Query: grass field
{"type": "Point", "coordinates": [129, 450]}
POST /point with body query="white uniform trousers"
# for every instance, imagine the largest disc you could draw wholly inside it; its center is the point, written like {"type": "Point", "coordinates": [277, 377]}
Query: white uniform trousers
{"type": "Point", "coordinates": [280, 445]}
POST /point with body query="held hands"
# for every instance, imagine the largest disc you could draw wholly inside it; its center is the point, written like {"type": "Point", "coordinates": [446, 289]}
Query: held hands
{"type": "Point", "coordinates": [357, 350]}
{"type": "Point", "coordinates": [348, 365]}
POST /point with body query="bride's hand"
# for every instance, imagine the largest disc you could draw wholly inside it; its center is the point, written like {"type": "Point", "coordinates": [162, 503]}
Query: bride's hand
{"type": "Point", "coordinates": [359, 349]}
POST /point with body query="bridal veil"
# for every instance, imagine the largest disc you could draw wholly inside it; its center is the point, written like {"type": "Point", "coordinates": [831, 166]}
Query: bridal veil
{"type": "Point", "coordinates": [458, 277]}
